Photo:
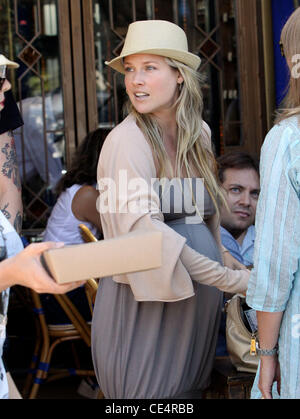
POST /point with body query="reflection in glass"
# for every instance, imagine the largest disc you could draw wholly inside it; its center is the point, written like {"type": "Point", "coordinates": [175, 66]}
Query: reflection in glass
{"type": "Point", "coordinates": [230, 77]}
{"type": "Point", "coordinates": [110, 27]}
{"type": "Point", "coordinates": [218, 50]}
{"type": "Point", "coordinates": [44, 157]}
{"type": "Point", "coordinates": [29, 35]}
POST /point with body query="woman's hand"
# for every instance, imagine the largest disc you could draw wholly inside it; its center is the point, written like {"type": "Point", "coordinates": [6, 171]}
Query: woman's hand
{"type": "Point", "coordinates": [26, 269]}
{"type": "Point", "coordinates": [269, 373]}
{"type": "Point", "coordinates": [230, 262]}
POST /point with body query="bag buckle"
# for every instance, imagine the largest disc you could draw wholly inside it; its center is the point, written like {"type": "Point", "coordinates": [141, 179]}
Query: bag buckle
{"type": "Point", "coordinates": [253, 346]}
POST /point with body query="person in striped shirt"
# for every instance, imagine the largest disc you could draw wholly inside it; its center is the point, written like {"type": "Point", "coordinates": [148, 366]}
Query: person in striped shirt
{"type": "Point", "coordinates": [274, 286]}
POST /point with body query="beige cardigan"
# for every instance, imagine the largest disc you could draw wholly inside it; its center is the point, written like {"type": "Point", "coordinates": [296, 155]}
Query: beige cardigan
{"type": "Point", "coordinates": [126, 159]}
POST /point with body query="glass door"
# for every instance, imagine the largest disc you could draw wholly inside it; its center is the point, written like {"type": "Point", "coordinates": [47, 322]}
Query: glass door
{"type": "Point", "coordinates": [30, 36]}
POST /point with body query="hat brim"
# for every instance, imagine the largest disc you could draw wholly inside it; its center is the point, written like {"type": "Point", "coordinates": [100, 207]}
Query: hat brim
{"type": "Point", "coordinates": [8, 63]}
{"type": "Point", "coordinates": [187, 58]}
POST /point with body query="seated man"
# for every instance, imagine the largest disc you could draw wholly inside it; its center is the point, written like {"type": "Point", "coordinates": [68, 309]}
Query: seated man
{"type": "Point", "coordinates": [239, 176]}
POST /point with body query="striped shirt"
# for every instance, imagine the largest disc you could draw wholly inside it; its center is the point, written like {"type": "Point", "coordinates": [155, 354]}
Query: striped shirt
{"type": "Point", "coordinates": [274, 284]}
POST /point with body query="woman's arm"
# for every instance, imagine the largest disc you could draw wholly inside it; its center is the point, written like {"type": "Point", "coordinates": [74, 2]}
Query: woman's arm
{"type": "Point", "coordinates": [126, 162]}
{"type": "Point", "coordinates": [268, 328]}
{"type": "Point", "coordinates": [228, 260]}
{"type": "Point", "coordinates": [84, 206]}
{"type": "Point", "coordinates": [207, 272]}
{"type": "Point", "coordinates": [268, 332]}
{"type": "Point", "coordinates": [10, 184]}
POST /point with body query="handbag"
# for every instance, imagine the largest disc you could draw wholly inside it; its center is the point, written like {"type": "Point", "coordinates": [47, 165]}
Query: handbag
{"type": "Point", "coordinates": [241, 336]}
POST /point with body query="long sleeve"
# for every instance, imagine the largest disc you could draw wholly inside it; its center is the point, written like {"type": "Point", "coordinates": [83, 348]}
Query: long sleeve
{"type": "Point", "coordinates": [277, 243]}
{"type": "Point", "coordinates": [208, 272]}
{"type": "Point", "coordinates": [128, 202]}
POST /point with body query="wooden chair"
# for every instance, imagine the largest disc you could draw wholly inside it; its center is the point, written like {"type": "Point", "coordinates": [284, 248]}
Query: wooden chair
{"type": "Point", "coordinates": [227, 382]}
{"type": "Point", "coordinates": [91, 285]}
{"type": "Point", "coordinates": [49, 336]}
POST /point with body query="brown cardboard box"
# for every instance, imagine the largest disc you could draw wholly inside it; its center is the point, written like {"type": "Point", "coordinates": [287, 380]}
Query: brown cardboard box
{"type": "Point", "coordinates": [133, 252]}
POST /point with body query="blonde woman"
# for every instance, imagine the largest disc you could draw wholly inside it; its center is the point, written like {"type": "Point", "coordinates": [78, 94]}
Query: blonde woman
{"type": "Point", "coordinates": [154, 333]}
{"type": "Point", "coordinates": [274, 287]}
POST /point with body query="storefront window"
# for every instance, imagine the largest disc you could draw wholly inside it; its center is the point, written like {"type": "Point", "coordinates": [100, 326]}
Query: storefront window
{"type": "Point", "coordinates": [111, 19]}
{"type": "Point", "coordinates": [59, 43]}
{"type": "Point", "coordinates": [29, 35]}
{"type": "Point", "coordinates": [211, 30]}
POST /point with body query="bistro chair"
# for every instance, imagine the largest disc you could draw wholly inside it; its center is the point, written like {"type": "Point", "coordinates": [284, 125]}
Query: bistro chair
{"type": "Point", "coordinates": [49, 336]}
{"type": "Point", "coordinates": [91, 285]}
{"type": "Point", "coordinates": [77, 329]}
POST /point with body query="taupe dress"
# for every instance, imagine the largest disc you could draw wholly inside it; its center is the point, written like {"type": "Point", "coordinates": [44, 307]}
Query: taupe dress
{"type": "Point", "coordinates": [158, 349]}
{"type": "Point", "coordinates": [154, 333]}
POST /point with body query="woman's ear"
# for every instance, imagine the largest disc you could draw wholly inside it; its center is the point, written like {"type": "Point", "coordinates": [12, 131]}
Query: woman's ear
{"type": "Point", "coordinates": [180, 79]}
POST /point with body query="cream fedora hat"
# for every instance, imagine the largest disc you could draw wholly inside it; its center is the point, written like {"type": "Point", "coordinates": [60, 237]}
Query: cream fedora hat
{"type": "Point", "coordinates": [8, 63]}
{"type": "Point", "coordinates": [158, 37]}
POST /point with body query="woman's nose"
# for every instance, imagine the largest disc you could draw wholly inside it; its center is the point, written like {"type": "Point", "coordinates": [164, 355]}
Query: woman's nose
{"type": "Point", "coordinates": [138, 78]}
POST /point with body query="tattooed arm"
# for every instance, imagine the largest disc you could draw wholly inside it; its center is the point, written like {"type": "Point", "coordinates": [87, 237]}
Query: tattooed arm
{"type": "Point", "coordinates": [10, 184]}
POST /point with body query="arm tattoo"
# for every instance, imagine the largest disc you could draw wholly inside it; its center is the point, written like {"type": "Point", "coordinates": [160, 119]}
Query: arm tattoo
{"type": "Point", "coordinates": [18, 222]}
{"type": "Point", "coordinates": [5, 212]}
{"type": "Point", "coordinates": [10, 167]}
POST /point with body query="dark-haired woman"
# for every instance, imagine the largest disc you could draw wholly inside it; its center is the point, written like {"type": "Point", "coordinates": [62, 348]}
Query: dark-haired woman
{"type": "Point", "coordinates": [77, 194]}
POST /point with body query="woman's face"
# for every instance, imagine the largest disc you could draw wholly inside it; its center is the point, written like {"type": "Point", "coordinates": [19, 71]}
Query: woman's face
{"type": "Point", "coordinates": [151, 84]}
{"type": "Point", "coordinates": [6, 86]}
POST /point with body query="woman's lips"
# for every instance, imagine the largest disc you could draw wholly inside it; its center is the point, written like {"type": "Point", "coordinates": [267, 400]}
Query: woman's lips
{"type": "Point", "coordinates": [141, 95]}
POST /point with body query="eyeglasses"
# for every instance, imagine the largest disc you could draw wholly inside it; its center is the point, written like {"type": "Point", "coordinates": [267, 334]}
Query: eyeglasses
{"type": "Point", "coordinates": [281, 48]}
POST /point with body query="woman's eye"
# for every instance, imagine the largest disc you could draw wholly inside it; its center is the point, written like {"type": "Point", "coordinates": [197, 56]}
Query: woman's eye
{"type": "Point", "coordinates": [150, 67]}
{"type": "Point", "coordinates": [128, 69]}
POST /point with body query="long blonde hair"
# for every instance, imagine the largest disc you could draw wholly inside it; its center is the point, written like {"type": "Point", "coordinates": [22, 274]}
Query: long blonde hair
{"type": "Point", "coordinates": [290, 39]}
{"type": "Point", "coordinates": [194, 153]}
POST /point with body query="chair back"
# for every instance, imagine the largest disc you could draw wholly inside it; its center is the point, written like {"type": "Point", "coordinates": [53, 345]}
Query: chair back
{"type": "Point", "coordinates": [76, 319]}
{"type": "Point", "coordinates": [91, 285]}
{"type": "Point", "coordinates": [49, 336]}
